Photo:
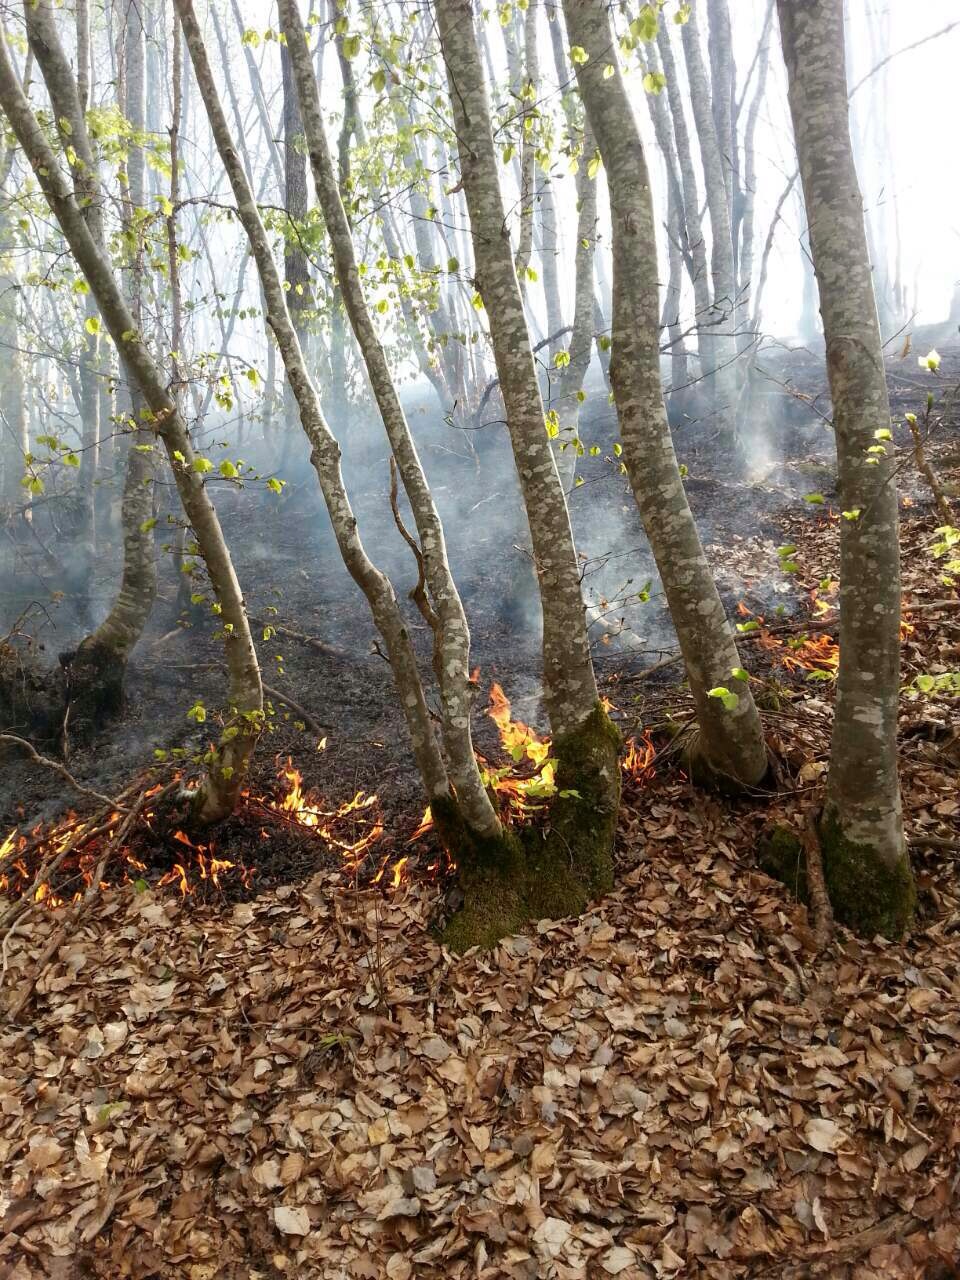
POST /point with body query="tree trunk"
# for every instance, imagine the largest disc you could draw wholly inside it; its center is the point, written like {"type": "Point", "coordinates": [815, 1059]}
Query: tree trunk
{"type": "Point", "coordinates": [325, 454]}
{"type": "Point", "coordinates": [453, 637]}
{"type": "Point", "coordinates": [865, 858]}
{"type": "Point", "coordinates": [220, 789]}
{"type": "Point", "coordinates": [95, 672]}
{"type": "Point", "coordinates": [723, 310]}
{"type": "Point", "coordinates": [707, 339]}
{"type": "Point", "coordinates": [575, 864]}
{"type": "Point", "coordinates": [730, 739]}
{"type": "Point", "coordinates": [571, 379]}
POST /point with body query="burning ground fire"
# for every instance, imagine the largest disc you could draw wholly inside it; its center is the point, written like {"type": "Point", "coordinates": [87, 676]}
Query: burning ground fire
{"type": "Point", "coordinates": [61, 863]}
{"type": "Point", "coordinates": [818, 655]}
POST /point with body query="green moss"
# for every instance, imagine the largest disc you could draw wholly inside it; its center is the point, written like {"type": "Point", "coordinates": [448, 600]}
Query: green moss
{"type": "Point", "coordinates": [866, 893]}
{"type": "Point", "coordinates": [583, 822]}
{"type": "Point", "coordinates": [513, 879]}
{"type": "Point", "coordinates": [780, 854]}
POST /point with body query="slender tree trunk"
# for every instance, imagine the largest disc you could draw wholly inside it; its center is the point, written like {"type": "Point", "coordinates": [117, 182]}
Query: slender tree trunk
{"type": "Point", "coordinates": [89, 371]}
{"type": "Point", "coordinates": [577, 863]}
{"type": "Point", "coordinates": [13, 409]}
{"type": "Point", "coordinates": [325, 454]}
{"type": "Point", "coordinates": [220, 789]}
{"type": "Point", "coordinates": [710, 356]}
{"type": "Point", "coordinates": [730, 740]}
{"type": "Point", "coordinates": [748, 195]}
{"type": "Point", "coordinates": [722, 314]}
{"type": "Point", "coordinates": [866, 864]}
{"type": "Point", "coordinates": [95, 672]}
{"type": "Point", "coordinates": [580, 350]}
{"type": "Point", "coordinates": [528, 147]}
{"type": "Point", "coordinates": [453, 637]}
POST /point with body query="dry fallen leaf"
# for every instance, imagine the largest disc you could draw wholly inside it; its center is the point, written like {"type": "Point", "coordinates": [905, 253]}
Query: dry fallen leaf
{"type": "Point", "coordinates": [292, 1222]}
{"type": "Point", "coordinates": [822, 1134]}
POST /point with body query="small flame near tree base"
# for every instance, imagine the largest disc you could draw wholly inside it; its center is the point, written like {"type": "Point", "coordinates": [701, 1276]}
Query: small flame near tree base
{"type": "Point", "coordinates": [281, 836]}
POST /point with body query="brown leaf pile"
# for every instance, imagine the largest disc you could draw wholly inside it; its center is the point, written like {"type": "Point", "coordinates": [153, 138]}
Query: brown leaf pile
{"type": "Point", "coordinates": [309, 1086]}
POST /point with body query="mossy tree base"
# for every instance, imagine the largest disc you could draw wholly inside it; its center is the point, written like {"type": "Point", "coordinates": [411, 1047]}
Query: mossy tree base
{"type": "Point", "coordinates": [781, 855]}
{"type": "Point", "coordinates": [705, 774]}
{"type": "Point", "coordinates": [510, 880]}
{"type": "Point", "coordinates": [867, 893]}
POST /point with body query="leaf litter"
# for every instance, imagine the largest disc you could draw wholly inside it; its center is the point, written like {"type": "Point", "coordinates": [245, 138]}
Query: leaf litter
{"type": "Point", "coordinates": [310, 1086]}
{"type": "Point", "coordinates": [679, 1083]}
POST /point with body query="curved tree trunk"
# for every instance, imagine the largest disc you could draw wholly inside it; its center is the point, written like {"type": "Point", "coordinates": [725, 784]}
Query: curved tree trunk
{"type": "Point", "coordinates": [453, 637]}
{"type": "Point", "coordinates": [325, 454]}
{"type": "Point", "coordinates": [95, 672]}
{"type": "Point", "coordinates": [221, 786]}
{"type": "Point", "coordinates": [576, 862]}
{"type": "Point", "coordinates": [866, 864]}
{"type": "Point", "coordinates": [731, 740]}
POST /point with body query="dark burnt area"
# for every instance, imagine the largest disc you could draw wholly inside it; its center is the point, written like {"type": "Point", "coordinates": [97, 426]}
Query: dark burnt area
{"type": "Point", "coordinates": [292, 575]}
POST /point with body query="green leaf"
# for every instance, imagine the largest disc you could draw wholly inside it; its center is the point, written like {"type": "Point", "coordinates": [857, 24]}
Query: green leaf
{"type": "Point", "coordinates": [351, 47]}
{"type": "Point", "coordinates": [853, 514]}
{"type": "Point", "coordinates": [739, 673]}
{"type": "Point", "coordinates": [379, 80]}
{"type": "Point", "coordinates": [228, 470]}
{"type": "Point", "coordinates": [275, 485]}
{"type": "Point", "coordinates": [815, 499]}
{"type": "Point", "coordinates": [148, 525]}
{"type": "Point", "coordinates": [197, 713]}
{"type": "Point", "coordinates": [644, 26]}
{"type": "Point", "coordinates": [202, 465]}
{"type": "Point", "coordinates": [578, 55]}
{"type": "Point", "coordinates": [654, 82]}
{"type": "Point", "coordinates": [92, 324]}
{"type": "Point", "coordinates": [730, 700]}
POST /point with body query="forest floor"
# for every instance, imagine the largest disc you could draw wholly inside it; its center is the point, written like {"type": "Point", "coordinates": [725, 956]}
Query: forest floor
{"type": "Point", "coordinates": [285, 1075]}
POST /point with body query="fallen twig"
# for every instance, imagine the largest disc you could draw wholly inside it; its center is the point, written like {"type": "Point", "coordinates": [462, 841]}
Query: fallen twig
{"type": "Point", "coordinates": [330, 650]}
{"type": "Point", "coordinates": [819, 899]}
{"type": "Point", "coordinates": [313, 725]}
{"type": "Point", "coordinates": [58, 768]}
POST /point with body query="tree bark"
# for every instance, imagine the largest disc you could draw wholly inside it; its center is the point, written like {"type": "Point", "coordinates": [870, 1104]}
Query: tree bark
{"type": "Point", "coordinates": [730, 740]}
{"type": "Point", "coordinates": [96, 670]}
{"type": "Point", "coordinates": [325, 454]}
{"type": "Point", "coordinates": [710, 357]}
{"type": "Point", "coordinates": [559, 879]}
{"type": "Point", "coordinates": [220, 789]}
{"type": "Point", "coordinates": [866, 862]}
{"type": "Point", "coordinates": [454, 636]}
{"type": "Point", "coordinates": [723, 309]}
{"type": "Point", "coordinates": [571, 379]}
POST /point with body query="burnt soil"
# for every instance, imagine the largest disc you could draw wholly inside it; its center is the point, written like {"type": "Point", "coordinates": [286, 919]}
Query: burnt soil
{"type": "Point", "coordinates": [293, 578]}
